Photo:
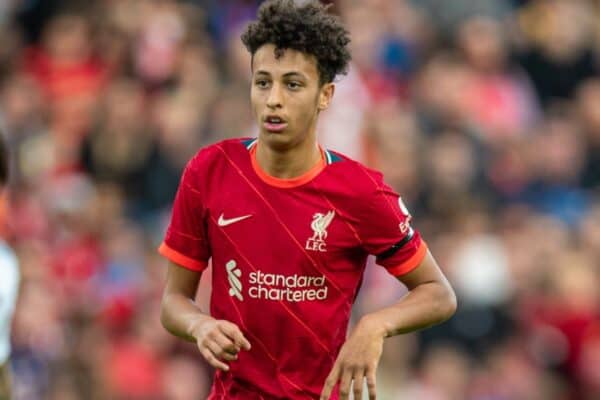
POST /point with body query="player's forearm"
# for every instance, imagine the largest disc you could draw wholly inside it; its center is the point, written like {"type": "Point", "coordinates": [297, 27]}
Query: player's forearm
{"type": "Point", "coordinates": [179, 315]}
{"type": "Point", "coordinates": [426, 305]}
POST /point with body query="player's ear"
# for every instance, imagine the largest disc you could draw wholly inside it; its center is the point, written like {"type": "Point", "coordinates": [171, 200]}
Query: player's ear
{"type": "Point", "coordinates": [325, 95]}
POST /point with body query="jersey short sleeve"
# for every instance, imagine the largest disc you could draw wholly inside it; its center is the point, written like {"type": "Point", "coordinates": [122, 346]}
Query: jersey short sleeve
{"type": "Point", "coordinates": [185, 242]}
{"type": "Point", "coordinates": [386, 231]}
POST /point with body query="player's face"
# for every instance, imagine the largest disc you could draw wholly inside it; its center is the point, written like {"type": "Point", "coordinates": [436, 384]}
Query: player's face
{"type": "Point", "coordinates": [286, 96]}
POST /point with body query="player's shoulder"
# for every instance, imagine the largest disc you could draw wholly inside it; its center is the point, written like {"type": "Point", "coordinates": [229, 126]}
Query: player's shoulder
{"type": "Point", "coordinates": [218, 152]}
{"type": "Point", "coordinates": [354, 174]}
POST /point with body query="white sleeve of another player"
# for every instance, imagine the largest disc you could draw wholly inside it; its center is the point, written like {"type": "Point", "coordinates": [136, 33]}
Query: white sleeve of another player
{"type": "Point", "coordinates": [9, 288]}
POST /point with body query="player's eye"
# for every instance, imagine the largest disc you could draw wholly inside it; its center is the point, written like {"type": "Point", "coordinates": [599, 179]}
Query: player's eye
{"type": "Point", "coordinates": [294, 85]}
{"type": "Point", "coordinates": [262, 83]}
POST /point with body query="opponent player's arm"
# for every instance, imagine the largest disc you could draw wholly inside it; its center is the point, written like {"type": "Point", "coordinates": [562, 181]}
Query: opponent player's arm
{"type": "Point", "coordinates": [7, 284]}
{"type": "Point", "coordinates": [4, 382]}
{"type": "Point", "coordinates": [217, 340]}
{"type": "Point", "coordinates": [430, 301]}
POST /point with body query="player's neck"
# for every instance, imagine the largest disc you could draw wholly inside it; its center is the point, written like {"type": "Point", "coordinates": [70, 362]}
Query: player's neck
{"type": "Point", "coordinates": [288, 163]}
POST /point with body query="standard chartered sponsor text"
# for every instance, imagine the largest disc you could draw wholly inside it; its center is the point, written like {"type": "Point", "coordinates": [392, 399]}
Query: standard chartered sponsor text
{"type": "Point", "coordinates": [293, 288]}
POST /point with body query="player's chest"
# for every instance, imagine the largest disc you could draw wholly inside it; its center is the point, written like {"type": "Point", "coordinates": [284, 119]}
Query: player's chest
{"type": "Point", "coordinates": [280, 223]}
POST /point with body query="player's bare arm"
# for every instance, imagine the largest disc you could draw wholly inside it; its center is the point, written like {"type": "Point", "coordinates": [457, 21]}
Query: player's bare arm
{"type": "Point", "coordinates": [430, 301]}
{"type": "Point", "coordinates": [4, 382]}
{"type": "Point", "coordinates": [219, 341]}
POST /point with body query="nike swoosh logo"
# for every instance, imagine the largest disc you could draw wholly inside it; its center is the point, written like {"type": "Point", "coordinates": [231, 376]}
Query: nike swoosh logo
{"type": "Point", "coordinates": [224, 222]}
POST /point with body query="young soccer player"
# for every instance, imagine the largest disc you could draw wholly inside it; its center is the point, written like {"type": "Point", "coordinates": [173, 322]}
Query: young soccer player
{"type": "Point", "coordinates": [288, 226]}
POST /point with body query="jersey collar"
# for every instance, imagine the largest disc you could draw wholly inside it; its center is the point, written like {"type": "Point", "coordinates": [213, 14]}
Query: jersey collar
{"type": "Point", "coordinates": [290, 182]}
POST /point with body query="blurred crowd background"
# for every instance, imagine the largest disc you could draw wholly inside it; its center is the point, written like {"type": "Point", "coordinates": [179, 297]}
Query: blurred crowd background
{"type": "Point", "coordinates": [483, 114]}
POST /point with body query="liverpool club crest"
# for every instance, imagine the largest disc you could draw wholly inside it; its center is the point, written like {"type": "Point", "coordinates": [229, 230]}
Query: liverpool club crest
{"type": "Point", "coordinates": [319, 226]}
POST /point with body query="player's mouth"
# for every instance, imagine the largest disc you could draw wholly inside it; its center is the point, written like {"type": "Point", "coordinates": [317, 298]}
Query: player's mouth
{"type": "Point", "coordinates": [274, 123]}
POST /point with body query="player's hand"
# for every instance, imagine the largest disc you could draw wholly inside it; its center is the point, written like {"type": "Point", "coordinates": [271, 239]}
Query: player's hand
{"type": "Point", "coordinates": [357, 360]}
{"type": "Point", "coordinates": [219, 341]}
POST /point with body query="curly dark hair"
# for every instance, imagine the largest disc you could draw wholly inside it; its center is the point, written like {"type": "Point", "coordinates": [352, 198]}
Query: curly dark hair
{"type": "Point", "coordinates": [306, 27]}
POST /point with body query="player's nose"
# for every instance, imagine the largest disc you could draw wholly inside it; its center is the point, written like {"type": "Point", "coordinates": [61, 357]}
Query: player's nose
{"type": "Point", "coordinates": [275, 99]}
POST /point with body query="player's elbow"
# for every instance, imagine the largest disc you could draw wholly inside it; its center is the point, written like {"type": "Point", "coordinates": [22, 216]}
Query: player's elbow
{"type": "Point", "coordinates": [445, 303]}
{"type": "Point", "coordinates": [165, 313]}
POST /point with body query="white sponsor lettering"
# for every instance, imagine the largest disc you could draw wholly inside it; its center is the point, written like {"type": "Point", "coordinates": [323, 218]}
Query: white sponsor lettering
{"type": "Point", "coordinates": [277, 287]}
{"type": "Point", "coordinates": [293, 288]}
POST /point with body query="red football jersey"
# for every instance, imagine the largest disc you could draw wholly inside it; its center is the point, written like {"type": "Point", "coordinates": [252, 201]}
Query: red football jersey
{"type": "Point", "coordinates": [288, 257]}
